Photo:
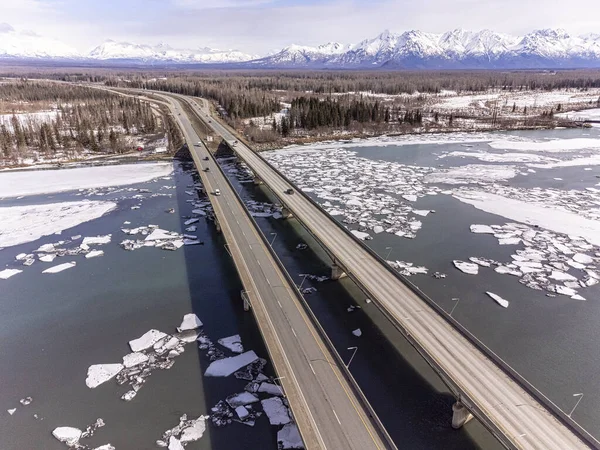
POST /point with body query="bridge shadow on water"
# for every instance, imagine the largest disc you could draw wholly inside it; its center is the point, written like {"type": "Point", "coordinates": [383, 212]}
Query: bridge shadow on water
{"type": "Point", "coordinates": [410, 399]}
{"type": "Point", "coordinates": [214, 289]}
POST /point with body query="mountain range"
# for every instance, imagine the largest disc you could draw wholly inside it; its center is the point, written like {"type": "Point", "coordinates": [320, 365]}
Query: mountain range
{"type": "Point", "coordinates": [457, 49]}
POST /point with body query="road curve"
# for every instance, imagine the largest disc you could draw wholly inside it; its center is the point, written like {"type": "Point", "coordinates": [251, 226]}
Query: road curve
{"type": "Point", "coordinates": [516, 418]}
{"type": "Point", "coordinates": [328, 413]}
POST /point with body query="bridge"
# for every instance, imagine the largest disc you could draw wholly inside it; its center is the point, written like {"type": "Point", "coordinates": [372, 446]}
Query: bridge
{"type": "Point", "coordinates": [328, 407]}
{"type": "Point", "coordinates": [484, 385]}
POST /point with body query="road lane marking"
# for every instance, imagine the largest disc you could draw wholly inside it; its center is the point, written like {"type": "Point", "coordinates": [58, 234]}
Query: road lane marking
{"type": "Point", "coordinates": [294, 331]}
{"type": "Point", "coordinates": [336, 416]}
{"type": "Point", "coordinates": [279, 303]}
{"type": "Point", "coordinates": [311, 368]}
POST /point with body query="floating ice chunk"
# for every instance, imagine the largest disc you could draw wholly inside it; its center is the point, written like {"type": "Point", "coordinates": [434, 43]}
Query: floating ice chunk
{"type": "Point", "coordinates": [509, 241]}
{"type": "Point", "coordinates": [225, 367]}
{"type": "Point", "coordinates": [498, 299]}
{"type": "Point", "coordinates": [357, 332]}
{"type": "Point", "coordinates": [480, 261]}
{"type": "Point", "coordinates": [101, 373]}
{"type": "Point", "coordinates": [360, 235]}
{"type": "Point", "coordinates": [161, 235]}
{"type": "Point", "coordinates": [243, 398]}
{"type": "Point", "coordinates": [68, 435]}
{"type": "Point", "coordinates": [482, 229]}
{"type": "Point", "coordinates": [289, 437]}
{"type": "Point", "coordinates": [191, 221]}
{"type": "Point", "coordinates": [276, 411]}
{"type": "Point", "coordinates": [147, 340]}
{"type": "Point", "coordinates": [191, 228]}
{"type": "Point", "coordinates": [410, 198]}
{"type": "Point", "coordinates": [421, 212]}
{"type": "Point", "coordinates": [377, 229]}
{"type": "Point", "coordinates": [7, 273]}
{"type": "Point", "coordinates": [242, 412]}
{"type": "Point", "coordinates": [561, 276]}
{"type": "Point", "coordinates": [577, 297]}
{"type": "Point", "coordinates": [21, 256]}
{"type": "Point", "coordinates": [470, 268]}
{"type": "Point", "coordinates": [96, 240]}
{"type": "Point", "coordinates": [565, 291]}
{"type": "Point", "coordinates": [11, 411]}
{"type": "Point", "coordinates": [270, 388]}
{"type": "Point", "coordinates": [195, 431]}
{"type": "Point", "coordinates": [133, 359]}
{"type": "Point", "coordinates": [508, 270]}
{"type": "Point", "coordinates": [189, 322]}
{"type": "Point", "coordinates": [583, 258]}
{"type": "Point", "coordinates": [60, 267]}
{"type": "Point", "coordinates": [46, 248]}
{"type": "Point", "coordinates": [94, 253]}
{"type": "Point", "coordinates": [129, 395]}
{"type": "Point", "coordinates": [26, 401]}
{"type": "Point", "coordinates": [105, 447]}
{"type": "Point", "coordinates": [48, 258]}
{"type": "Point", "coordinates": [174, 443]}
{"type": "Point", "coordinates": [191, 242]}
{"type": "Point", "coordinates": [233, 343]}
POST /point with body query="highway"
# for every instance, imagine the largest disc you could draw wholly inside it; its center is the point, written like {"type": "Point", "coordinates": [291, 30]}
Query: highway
{"type": "Point", "coordinates": [328, 413]}
{"type": "Point", "coordinates": [514, 416]}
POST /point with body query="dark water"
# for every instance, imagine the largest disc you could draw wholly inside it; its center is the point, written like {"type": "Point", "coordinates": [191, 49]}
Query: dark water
{"type": "Point", "coordinates": [52, 327]}
{"type": "Point", "coordinates": [551, 342]}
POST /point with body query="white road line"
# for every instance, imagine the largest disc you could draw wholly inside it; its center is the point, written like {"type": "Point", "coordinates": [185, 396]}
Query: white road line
{"type": "Point", "coordinates": [279, 303]}
{"type": "Point", "coordinates": [336, 416]}
{"type": "Point", "coordinates": [311, 368]}
{"type": "Point", "coordinates": [294, 331]}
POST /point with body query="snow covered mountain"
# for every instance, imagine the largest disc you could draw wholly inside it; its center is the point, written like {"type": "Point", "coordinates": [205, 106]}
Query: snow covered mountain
{"type": "Point", "coordinates": [455, 49]}
{"type": "Point", "coordinates": [125, 51]}
{"type": "Point", "coordinates": [29, 45]}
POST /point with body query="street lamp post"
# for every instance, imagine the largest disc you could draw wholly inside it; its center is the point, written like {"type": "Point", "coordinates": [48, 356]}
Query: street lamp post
{"type": "Point", "coordinates": [455, 305]}
{"type": "Point", "coordinates": [580, 395]}
{"type": "Point", "coordinates": [274, 236]}
{"type": "Point", "coordinates": [352, 357]}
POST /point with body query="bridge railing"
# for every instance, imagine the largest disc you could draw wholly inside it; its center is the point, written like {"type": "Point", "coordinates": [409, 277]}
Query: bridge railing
{"type": "Point", "coordinates": [510, 371]}
{"type": "Point", "coordinates": [315, 322]}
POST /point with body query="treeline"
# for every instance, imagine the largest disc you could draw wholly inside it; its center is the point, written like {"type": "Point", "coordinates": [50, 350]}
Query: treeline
{"type": "Point", "coordinates": [27, 91]}
{"type": "Point", "coordinates": [216, 84]}
{"type": "Point", "coordinates": [237, 98]}
{"type": "Point", "coordinates": [98, 123]}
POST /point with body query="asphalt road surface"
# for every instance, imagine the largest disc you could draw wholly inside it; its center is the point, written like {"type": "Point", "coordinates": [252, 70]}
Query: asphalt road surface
{"type": "Point", "coordinates": [327, 412]}
{"type": "Point", "coordinates": [517, 418]}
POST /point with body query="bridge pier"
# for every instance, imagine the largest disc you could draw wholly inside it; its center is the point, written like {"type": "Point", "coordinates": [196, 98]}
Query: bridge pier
{"type": "Point", "coordinates": [246, 300]}
{"type": "Point", "coordinates": [256, 180]}
{"type": "Point", "coordinates": [337, 272]}
{"type": "Point", "coordinates": [460, 415]}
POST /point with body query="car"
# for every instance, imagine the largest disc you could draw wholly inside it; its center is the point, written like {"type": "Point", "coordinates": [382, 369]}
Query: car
{"type": "Point", "coordinates": [217, 192]}
{"type": "Point", "coordinates": [289, 191]}
{"type": "Point", "coordinates": [210, 121]}
{"type": "Point", "coordinates": [207, 169]}
{"type": "Point", "coordinates": [198, 144]}
{"type": "Point", "coordinates": [205, 158]}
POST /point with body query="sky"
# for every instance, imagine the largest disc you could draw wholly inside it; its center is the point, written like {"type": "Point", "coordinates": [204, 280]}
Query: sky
{"type": "Point", "coordinates": [259, 27]}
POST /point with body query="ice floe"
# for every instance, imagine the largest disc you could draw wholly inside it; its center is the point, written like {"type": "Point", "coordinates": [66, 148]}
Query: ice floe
{"type": "Point", "coordinates": [466, 267]}
{"type": "Point", "coordinates": [94, 254]}
{"type": "Point", "coordinates": [21, 224]}
{"type": "Point", "coordinates": [101, 373]}
{"type": "Point", "coordinates": [147, 340]}
{"type": "Point", "coordinates": [241, 399]}
{"type": "Point", "coordinates": [7, 273]}
{"type": "Point", "coordinates": [20, 183]}
{"type": "Point", "coordinates": [276, 411]}
{"type": "Point", "coordinates": [233, 343]}
{"type": "Point", "coordinates": [60, 267]}
{"type": "Point", "coordinates": [498, 299]}
{"type": "Point", "coordinates": [357, 332]}
{"type": "Point", "coordinates": [554, 145]}
{"type": "Point", "coordinates": [289, 437]}
{"type": "Point", "coordinates": [189, 322]}
{"type": "Point", "coordinates": [11, 411]}
{"type": "Point", "coordinates": [226, 366]}
{"type": "Point", "coordinates": [407, 268]}
{"type": "Point", "coordinates": [68, 435]}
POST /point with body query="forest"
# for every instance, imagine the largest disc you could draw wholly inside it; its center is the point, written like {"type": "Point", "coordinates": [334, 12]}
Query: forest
{"type": "Point", "coordinates": [72, 119]}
